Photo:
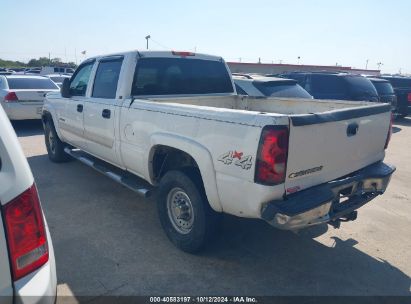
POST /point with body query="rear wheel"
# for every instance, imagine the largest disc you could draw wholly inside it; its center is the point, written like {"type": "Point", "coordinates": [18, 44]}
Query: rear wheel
{"type": "Point", "coordinates": [185, 214]}
{"type": "Point", "coordinates": [55, 147]}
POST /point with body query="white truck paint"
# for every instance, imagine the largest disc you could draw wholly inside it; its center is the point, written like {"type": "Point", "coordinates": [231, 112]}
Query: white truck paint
{"type": "Point", "coordinates": [220, 131]}
{"type": "Point", "coordinates": [38, 286]}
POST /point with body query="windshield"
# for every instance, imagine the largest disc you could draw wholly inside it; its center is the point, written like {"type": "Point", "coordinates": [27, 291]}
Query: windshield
{"type": "Point", "coordinates": [167, 76]}
{"type": "Point", "coordinates": [31, 83]}
{"type": "Point", "coordinates": [383, 88]}
{"type": "Point", "coordinates": [361, 86]}
{"type": "Point", "coordinates": [281, 89]}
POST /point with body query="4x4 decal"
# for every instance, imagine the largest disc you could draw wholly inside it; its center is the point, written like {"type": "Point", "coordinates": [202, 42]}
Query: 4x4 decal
{"type": "Point", "coordinates": [245, 162]}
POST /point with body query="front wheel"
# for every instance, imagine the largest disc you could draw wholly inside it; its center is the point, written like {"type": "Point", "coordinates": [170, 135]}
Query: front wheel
{"type": "Point", "coordinates": [55, 147]}
{"type": "Point", "coordinates": [185, 214]}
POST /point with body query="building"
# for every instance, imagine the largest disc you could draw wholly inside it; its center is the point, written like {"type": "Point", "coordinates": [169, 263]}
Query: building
{"type": "Point", "coordinates": [266, 68]}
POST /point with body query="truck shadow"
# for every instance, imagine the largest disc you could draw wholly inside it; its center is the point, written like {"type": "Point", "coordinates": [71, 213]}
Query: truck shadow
{"type": "Point", "coordinates": [406, 121]}
{"type": "Point", "coordinates": [27, 127]}
{"type": "Point", "coordinates": [107, 241]}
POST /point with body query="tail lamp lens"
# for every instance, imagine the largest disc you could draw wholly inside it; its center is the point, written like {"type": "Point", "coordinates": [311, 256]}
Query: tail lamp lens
{"type": "Point", "coordinates": [409, 98]}
{"type": "Point", "coordinates": [387, 141]}
{"type": "Point", "coordinates": [26, 233]}
{"type": "Point", "coordinates": [272, 156]}
{"type": "Point", "coordinates": [10, 97]}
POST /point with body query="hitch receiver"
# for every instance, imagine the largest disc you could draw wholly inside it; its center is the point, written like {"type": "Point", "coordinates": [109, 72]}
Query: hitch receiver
{"type": "Point", "coordinates": [352, 216]}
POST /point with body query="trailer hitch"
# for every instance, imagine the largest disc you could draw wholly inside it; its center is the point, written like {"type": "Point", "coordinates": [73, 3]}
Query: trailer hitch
{"type": "Point", "coordinates": [352, 216]}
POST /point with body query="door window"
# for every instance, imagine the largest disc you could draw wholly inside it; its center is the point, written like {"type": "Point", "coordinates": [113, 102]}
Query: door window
{"type": "Point", "coordinates": [106, 80]}
{"type": "Point", "coordinates": [79, 82]}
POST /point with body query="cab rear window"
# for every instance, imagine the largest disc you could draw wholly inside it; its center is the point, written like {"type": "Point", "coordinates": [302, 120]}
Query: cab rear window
{"type": "Point", "coordinates": [383, 88]}
{"type": "Point", "coordinates": [359, 85]}
{"type": "Point", "coordinates": [31, 83]}
{"type": "Point", "coordinates": [169, 76]}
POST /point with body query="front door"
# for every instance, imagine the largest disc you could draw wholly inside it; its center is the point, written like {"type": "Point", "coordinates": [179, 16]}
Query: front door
{"type": "Point", "coordinates": [71, 119]}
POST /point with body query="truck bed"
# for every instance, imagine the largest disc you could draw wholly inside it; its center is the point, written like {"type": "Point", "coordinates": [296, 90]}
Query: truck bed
{"type": "Point", "coordinates": [285, 106]}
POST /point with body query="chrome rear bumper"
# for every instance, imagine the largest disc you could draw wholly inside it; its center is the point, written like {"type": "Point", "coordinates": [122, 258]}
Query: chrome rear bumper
{"type": "Point", "coordinates": [330, 202]}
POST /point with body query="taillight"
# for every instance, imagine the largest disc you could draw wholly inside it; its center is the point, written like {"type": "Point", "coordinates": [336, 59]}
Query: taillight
{"type": "Point", "coordinates": [10, 97]}
{"type": "Point", "coordinates": [389, 132]}
{"type": "Point", "coordinates": [26, 235]}
{"type": "Point", "coordinates": [409, 98]}
{"type": "Point", "coordinates": [182, 54]}
{"type": "Point", "coordinates": [272, 156]}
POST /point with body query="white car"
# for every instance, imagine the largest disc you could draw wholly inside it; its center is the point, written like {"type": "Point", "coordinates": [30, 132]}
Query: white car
{"type": "Point", "coordinates": [27, 264]}
{"type": "Point", "coordinates": [22, 96]}
{"type": "Point", "coordinates": [58, 78]}
{"type": "Point", "coordinates": [172, 121]}
{"type": "Point", "coordinates": [260, 86]}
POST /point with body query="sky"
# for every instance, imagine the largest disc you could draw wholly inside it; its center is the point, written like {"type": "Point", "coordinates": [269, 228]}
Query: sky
{"type": "Point", "coordinates": [323, 32]}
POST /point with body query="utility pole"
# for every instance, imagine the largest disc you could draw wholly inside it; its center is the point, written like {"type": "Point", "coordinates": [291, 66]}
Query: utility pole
{"type": "Point", "coordinates": [379, 64]}
{"type": "Point", "coordinates": [49, 59]}
{"type": "Point", "coordinates": [298, 59]}
{"type": "Point", "coordinates": [366, 64]}
{"type": "Point", "coordinates": [147, 37]}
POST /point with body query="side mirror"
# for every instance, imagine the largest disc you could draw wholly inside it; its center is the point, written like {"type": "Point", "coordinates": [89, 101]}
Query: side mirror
{"type": "Point", "coordinates": [65, 88]}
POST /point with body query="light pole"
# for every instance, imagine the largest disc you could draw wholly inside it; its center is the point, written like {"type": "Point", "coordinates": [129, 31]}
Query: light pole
{"type": "Point", "coordinates": [147, 37]}
{"type": "Point", "coordinates": [298, 59]}
{"type": "Point", "coordinates": [366, 64]}
{"type": "Point", "coordinates": [379, 64]}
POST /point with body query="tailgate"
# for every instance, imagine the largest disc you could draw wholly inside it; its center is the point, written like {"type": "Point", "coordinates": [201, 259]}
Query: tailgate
{"type": "Point", "coordinates": [329, 145]}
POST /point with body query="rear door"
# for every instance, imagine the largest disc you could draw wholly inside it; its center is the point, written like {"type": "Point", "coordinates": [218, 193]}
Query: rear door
{"type": "Point", "coordinates": [100, 109]}
{"type": "Point", "coordinates": [326, 146]}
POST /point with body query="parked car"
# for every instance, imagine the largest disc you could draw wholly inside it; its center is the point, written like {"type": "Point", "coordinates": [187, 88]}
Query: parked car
{"type": "Point", "coordinates": [172, 122]}
{"type": "Point", "coordinates": [253, 85]}
{"type": "Point", "coordinates": [402, 88]}
{"type": "Point", "coordinates": [4, 71]}
{"type": "Point", "coordinates": [57, 78]}
{"type": "Point", "coordinates": [55, 70]}
{"type": "Point", "coordinates": [21, 96]}
{"type": "Point", "coordinates": [324, 85]}
{"type": "Point", "coordinates": [385, 91]}
{"type": "Point", "coordinates": [27, 264]}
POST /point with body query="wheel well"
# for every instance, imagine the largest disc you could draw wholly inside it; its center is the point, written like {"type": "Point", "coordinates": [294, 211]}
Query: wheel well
{"type": "Point", "coordinates": [46, 116]}
{"type": "Point", "coordinates": [166, 158]}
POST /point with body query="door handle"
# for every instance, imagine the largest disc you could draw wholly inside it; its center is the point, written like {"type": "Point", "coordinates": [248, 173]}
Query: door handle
{"type": "Point", "coordinates": [352, 129]}
{"type": "Point", "coordinates": [80, 108]}
{"type": "Point", "coordinates": [106, 113]}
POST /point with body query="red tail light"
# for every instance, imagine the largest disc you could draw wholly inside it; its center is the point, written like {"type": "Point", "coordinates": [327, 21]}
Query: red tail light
{"type": "Point", "coordinates": [272, 156]}
{"type": "Point", "coordinates": [389, 132]}
{"type": "Point", "coordinates": [26, 234]}
{"type": "Point", "coordinates": [182, 54]}
{"type": "Point", "coordinates": [409, 98]}
{"type": "Point", "coordinates": [10, 97]}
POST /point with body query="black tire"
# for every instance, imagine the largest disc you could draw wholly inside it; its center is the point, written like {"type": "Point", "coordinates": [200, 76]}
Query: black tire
{"type": "Point", "coordinates": [55, 147]}
{"type": "Point", "coordinates": [205, 220]}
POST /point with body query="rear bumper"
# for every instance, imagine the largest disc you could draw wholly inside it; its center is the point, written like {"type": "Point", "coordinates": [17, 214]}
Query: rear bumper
{"type": "Point", "coordinates": [20, 111]}
{"type": "Point", "coordinates": [330, 201]}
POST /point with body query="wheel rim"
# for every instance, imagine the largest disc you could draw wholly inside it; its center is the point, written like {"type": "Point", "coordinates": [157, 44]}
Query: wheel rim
{"type": "Point", "coordinates": [52, 144]}
{"type": "Point", "coordinates": [180, 210]}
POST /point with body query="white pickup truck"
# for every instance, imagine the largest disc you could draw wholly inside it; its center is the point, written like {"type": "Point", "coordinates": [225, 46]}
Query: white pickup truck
{"type": "Point", "coordinates": [170, 123]}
